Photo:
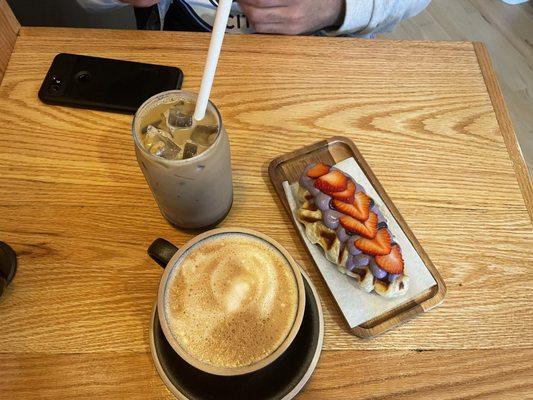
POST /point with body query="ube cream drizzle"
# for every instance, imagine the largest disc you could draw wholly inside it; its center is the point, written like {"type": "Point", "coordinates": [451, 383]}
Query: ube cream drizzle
{"type": "Point", "coordinates": [330, 218]}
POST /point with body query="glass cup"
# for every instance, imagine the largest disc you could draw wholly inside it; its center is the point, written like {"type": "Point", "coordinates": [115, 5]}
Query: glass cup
{"type": "Point", "coordinates": [195, 192]}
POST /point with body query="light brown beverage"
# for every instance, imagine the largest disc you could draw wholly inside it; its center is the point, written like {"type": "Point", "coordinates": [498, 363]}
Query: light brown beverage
{"type": "Point", "coordinates": [232, 301]}
{"type": "Point", "coordinates": [186, 165]}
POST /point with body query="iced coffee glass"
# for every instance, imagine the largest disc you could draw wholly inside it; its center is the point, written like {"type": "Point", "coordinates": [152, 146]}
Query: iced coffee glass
{"type": "Point", "coordinates": [186, 165]}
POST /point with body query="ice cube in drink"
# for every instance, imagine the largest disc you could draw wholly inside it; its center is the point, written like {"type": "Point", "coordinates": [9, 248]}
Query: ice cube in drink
{"type": "Point", "coordinates": [160, 143]}
{"type": "Point", "coordinates": [177, 117]}
{"type": "Point", "coordinates": [169, 131]}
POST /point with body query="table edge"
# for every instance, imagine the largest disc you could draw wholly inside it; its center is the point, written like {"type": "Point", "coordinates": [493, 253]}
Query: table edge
{"type": "Point", "coordinates": [506, 127]}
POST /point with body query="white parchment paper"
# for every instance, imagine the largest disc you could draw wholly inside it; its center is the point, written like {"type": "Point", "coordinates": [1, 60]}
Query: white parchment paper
{"type": "Point", "coordinates": [356, 305]}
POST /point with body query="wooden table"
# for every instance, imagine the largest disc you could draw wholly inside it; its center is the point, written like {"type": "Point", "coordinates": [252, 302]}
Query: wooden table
{"type": "Point", "coordinates": [427, 116]}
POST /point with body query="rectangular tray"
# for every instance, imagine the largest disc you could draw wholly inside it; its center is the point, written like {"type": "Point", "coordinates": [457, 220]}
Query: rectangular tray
{"type": "Point", "coordinates": [289, 167]}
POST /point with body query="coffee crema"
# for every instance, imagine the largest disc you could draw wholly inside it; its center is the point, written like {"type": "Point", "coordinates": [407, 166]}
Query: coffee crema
{"type": "Point", "coordinates": [232, 301]}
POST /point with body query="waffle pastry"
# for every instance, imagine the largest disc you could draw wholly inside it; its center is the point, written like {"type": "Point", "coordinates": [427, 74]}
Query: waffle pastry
{"type": "Point", "coordinates": [336, 251]}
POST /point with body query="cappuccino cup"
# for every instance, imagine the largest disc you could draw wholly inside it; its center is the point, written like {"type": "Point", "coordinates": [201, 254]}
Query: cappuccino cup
{"type": "Point", "coordinates": [230, 301]}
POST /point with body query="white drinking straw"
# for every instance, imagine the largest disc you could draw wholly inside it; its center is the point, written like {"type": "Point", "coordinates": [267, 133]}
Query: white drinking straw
{"type": "Point", "coordinates": [219, 28]}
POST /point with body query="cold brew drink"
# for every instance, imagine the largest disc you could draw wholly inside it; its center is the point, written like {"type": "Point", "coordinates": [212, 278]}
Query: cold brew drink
{"type": "Point", "coordinates": [186, 163]}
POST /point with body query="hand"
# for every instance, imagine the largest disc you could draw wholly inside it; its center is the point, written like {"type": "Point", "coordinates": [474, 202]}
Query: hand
{"type": "Point", "coordinates": [292, 17]}
{"type": "Point", "coordinates": [140, 3]}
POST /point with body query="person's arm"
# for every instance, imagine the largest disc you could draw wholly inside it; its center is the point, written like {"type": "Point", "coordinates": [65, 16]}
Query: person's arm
{"type": "Point", "coordinates": [100, 5]}
{"type": "Point", "coordinates": [104, 5]}
{"type": "Point", "coordinates": [375, 16]}
{"type": "Point", "coordinates": [332, 17]}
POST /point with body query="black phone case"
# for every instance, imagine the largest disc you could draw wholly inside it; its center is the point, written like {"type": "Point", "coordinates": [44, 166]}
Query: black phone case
{"type": "Point", "coordinates": [105, 84]}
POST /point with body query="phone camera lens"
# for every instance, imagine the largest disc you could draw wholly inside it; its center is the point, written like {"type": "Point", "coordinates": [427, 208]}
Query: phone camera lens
{"type": "Point", "coordinates": [55, 85]}
{"type": "Point", "coordinates": [83, 76]}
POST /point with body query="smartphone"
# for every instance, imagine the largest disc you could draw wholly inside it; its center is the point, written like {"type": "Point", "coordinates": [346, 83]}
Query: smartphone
{"type": "Point", "coordinates": [105, 84]}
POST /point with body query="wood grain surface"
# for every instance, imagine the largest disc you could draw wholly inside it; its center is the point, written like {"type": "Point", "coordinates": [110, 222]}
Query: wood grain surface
{"type": "Point", "coordinates": [506, 30]}
{"type": "Point", "coordinates": [9, 28]}
{"type": "Point", "coordinates": [75, 207]}
{"type": "Point", "coordinates": [446, 374]}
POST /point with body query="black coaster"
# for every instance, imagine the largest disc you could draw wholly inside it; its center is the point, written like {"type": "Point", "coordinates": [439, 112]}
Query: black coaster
{"type": "Point", "coordinates": [282, 379]}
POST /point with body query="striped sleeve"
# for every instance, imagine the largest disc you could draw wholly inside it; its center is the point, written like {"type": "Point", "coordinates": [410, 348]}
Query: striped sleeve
{"type": "Point", "coordinates": [367, 17]}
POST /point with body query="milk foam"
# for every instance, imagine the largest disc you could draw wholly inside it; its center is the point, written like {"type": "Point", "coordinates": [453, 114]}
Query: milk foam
{"type": "Point", "coordinates": [232, 301]}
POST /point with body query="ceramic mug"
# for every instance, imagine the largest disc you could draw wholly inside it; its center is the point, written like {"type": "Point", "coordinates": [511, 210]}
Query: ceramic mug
{"type": "Point", "coordinates": [170, 257]}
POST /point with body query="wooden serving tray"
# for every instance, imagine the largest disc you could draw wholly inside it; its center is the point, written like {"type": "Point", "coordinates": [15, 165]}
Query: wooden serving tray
{"type": "Point", "coordinates": [289, 167]}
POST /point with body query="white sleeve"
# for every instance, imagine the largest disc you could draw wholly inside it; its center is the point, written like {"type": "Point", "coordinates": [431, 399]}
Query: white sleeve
{"type": "Point", "coordinates": [374, 16]}
{"type": "Point", "coordinates": [100, 5]}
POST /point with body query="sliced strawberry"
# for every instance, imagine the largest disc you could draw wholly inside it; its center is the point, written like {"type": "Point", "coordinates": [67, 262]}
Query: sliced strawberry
{"type": "Point", "coordinates": [380, 245]}
{"type": "Point", "coordinates": [359, 208]}
{"type": "Point", "coordinates": [367, 229]}
{"type": "Point", "coordinates": [333, 181]}
{"type": "Point", "coordinates": [347, 194]}
{"type": "Point", "coordinates": [392, 262]}
{"type": "Point", "coordinates": [318, 170]}
{"type": "Point", "coordinates": [345, 208]}
{"type": "Point", "coordinates": [362, 201]}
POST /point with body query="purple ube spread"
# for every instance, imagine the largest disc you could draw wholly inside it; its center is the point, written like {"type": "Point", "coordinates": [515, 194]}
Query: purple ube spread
{"type": "Point", "coordinates": [357, 261]}
{"type": "Point", "coordinates": [376, 270]}
{"type": "Point", "coordinates": [330, 218]}
{"type": "Point", "coordinates": [376, 211]}
{"type": "Point", "coordinates": [342, 234]}
{"type": "Point", "coordinates": [323, 201]}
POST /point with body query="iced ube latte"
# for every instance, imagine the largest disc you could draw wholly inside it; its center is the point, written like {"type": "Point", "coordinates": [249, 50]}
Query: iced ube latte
{"type": "Point", "coordinates": [187, 164]}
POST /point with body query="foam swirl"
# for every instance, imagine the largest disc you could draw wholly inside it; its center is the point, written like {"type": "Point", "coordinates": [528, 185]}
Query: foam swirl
{"type": "Point", "coordinates": [232, 301]}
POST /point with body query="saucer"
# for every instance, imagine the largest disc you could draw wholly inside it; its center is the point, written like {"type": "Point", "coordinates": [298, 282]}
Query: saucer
{"type": "Point", "coordinates": [282, 379]}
